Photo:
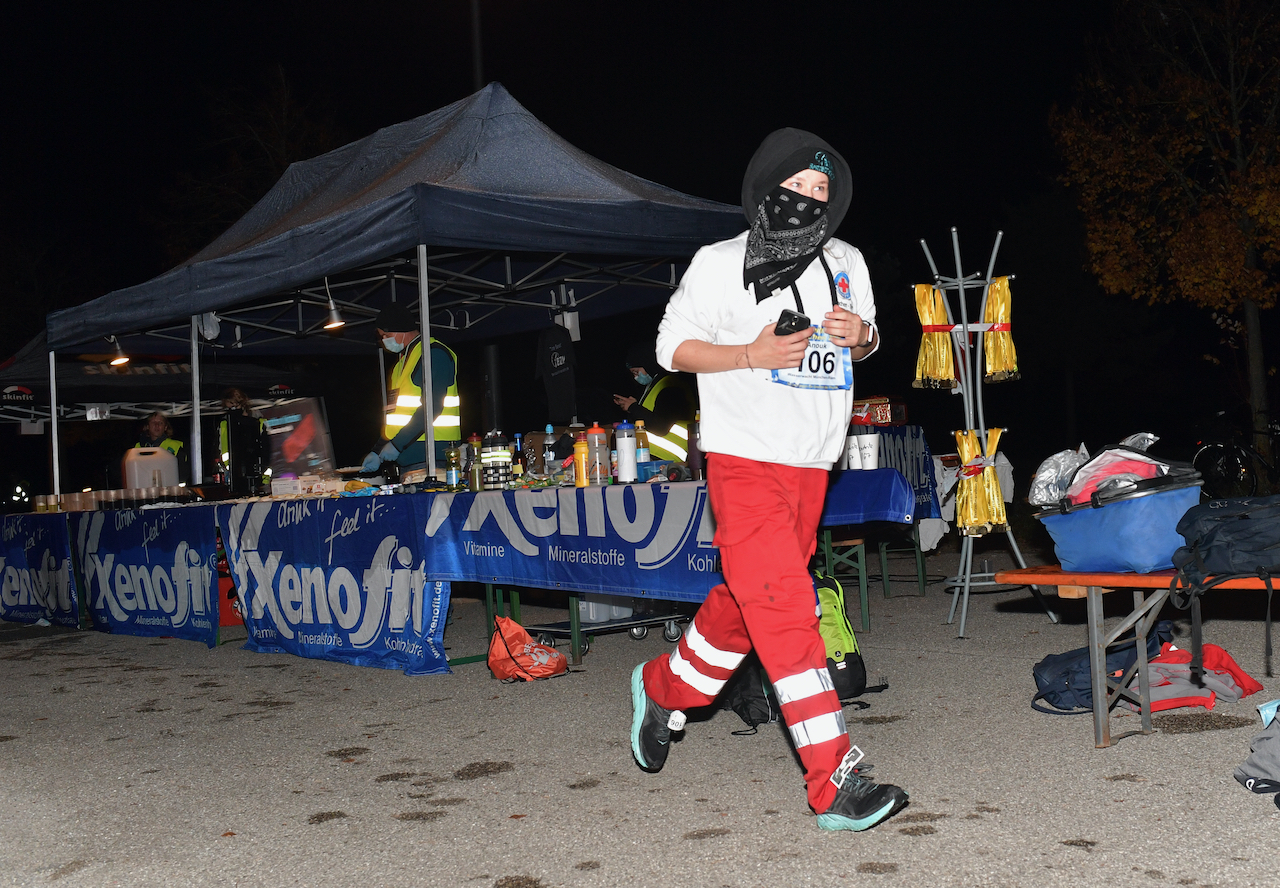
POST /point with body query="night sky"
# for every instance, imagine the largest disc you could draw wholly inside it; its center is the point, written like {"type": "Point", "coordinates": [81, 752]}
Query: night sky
{"type": "Point", "coordinates": [940, 109]}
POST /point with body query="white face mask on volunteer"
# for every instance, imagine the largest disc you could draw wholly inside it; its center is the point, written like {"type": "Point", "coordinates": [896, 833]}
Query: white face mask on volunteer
{"type": "Point", "coordinates": [391, 344]}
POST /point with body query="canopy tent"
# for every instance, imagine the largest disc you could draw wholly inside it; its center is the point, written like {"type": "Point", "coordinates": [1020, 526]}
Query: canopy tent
{"type": "Point", "coordinates": [513, 217]}
{"type": "Point", "coordinates": [498, 222]}
{"type": "Point", "coordinates": [132, 391]}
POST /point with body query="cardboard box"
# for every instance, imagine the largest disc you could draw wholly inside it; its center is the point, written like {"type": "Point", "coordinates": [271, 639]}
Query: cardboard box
{"type": "Point", "coordinates": [286, 487]}
{"type": "Point", "coordinates": [879, 411]}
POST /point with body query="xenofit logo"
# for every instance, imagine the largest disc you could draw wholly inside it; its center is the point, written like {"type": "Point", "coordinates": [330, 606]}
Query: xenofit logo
{"type": "Point", "coordinates": [658, 523]}
{"type": "Point", "coordinates": [302, 600]}
{"type": "Point", "coordinates": [142, 593]}
{"type": "Point", "coordinates": [47, 587]}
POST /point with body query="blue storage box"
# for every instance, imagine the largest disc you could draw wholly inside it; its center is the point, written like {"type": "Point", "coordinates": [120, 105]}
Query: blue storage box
{"type": "Point", "coordinates": [1134, 531]}
{"type": "Point", "coordinates": [646, 470]}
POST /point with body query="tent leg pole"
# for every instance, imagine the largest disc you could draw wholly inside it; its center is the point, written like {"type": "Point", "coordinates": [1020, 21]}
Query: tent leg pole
{"type": "Point", "coordinates": [424, 321]}
{"type": "Point", "coordinates": [53, 422]}
{"type": "Point", "coordinates": [197, 458]}
{"type": "Point", "coordinates": [382, 380]}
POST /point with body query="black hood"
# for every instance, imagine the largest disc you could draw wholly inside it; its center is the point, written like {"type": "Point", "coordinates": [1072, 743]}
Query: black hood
{"type": "Point", "coordinates": [787, 151]}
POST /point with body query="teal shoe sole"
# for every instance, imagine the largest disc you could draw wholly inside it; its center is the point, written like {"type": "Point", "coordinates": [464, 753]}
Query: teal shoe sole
{"type": "Point", "coordinates": [839, 821]}
{"type": "Point", "coordinates": [639, 704]}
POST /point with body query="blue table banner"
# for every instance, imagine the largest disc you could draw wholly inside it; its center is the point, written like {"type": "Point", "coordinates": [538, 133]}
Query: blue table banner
{"type": "Point", "coordinates": [905, 449]}
{"type": "Point", "coordinates": [338, 579]}
{"type": "Point", "coordinates": [857, 496]}
{"type": "Point", "coordinates": [36, 578]}
{"type": "Point", "coordinates": [150, 572]}
{"type": "Point", "coordinates": [633, 539]}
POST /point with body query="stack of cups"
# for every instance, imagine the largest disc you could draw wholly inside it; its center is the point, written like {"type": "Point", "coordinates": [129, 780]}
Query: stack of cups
{"type": "Point", "coordinates": [862, 447]}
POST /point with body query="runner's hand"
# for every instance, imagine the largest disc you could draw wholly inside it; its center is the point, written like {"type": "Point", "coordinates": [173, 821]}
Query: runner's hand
{"type": "Point", "coordinates": [846, 329]}
{"type": "Point", "coordinates": [773, 352]}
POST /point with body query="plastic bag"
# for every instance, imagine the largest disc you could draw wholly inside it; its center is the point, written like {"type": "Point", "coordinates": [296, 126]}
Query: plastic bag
{"type": "Point", "coordinates": [513, 654]}
{"type": "Point", "coordinates": [1054, 475]}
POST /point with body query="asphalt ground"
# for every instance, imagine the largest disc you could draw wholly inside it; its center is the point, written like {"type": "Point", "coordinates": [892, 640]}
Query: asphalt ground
{"type": "Point", "coordinates": [142, 761]}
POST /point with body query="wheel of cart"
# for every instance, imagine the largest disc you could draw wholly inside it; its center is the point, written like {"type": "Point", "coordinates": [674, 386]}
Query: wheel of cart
{"type": "Point", "coordinates": [636, 626]}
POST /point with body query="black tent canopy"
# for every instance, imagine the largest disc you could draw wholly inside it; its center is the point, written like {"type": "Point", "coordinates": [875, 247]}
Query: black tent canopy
{"type": "Point", "coordinates": [512, 215]}
{"type": "Point", "coordinates": [496, 222]}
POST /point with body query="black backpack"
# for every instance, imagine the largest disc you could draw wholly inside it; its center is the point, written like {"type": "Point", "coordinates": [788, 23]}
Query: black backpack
{"type": "Point", "coordinates": [1227, 539]}
{"type": "Point", "coordinates": [750, 694]}
{"type": "Point", "coordinates": [1064, 682]}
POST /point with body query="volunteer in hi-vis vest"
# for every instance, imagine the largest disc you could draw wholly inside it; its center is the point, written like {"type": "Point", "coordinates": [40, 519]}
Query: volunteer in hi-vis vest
{"type": "Point", "coordinates": [404, 429]}
{"type": "Point", "coordinates": [157, 431]}
{"type": "Point", "coordinates": [667, 405]}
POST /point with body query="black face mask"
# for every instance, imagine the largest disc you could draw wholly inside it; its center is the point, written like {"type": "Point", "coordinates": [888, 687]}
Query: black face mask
{"type": "Point", "coordinates": [786, 235]}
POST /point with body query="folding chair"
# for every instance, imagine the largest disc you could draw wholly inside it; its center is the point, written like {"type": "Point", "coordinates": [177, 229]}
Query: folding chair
{"type": "Point", "coordinates": [850, 553]}
{"type": "Point", "coordinates": [887, 546]}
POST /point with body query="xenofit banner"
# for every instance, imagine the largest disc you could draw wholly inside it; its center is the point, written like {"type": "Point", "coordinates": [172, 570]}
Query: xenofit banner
{"type": "Point", "coordinates": [36, 579]}
{"type": "Point", "coordinates": [905, 449]}
{"type": "Point", "coordinates": [338, 579]}
{"type": "Point", "coordinates": [633, 539]}
{"type": "Point", "coordinates": [150, 572]}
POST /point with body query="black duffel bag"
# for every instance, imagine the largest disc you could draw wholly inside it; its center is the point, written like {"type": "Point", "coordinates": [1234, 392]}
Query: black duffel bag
{"type": "Point", "coordinates": [1063, 680]}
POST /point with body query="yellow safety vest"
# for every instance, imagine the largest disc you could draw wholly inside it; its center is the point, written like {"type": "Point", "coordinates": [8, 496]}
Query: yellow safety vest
{"type": "Point", "coordinates": [674, 444]}
{"type": "Point", "coordinates": [404, 397]}
{"type": "Point", "coordinates": [173, 445]}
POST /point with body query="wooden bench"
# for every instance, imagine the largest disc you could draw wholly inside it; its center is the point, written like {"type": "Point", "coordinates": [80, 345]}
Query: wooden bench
{"type": "Point", "coordinates": [1150, 591]}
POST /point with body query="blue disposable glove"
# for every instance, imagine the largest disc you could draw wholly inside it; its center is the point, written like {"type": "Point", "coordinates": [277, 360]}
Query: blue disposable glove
{"type": "Point", "coordinates": [371, 463]}
{"type": "Point", "coordinates": [389, 452]}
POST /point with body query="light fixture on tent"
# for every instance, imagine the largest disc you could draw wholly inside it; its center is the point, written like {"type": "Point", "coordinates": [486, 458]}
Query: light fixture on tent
{"type": "Point", "coordinates": [335, 319]}
{"type": "Point", "coordinates": [121, 357]}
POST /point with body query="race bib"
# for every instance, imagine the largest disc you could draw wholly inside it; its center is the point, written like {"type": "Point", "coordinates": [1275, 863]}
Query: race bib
{"type": "Point", "coordinates": [825, 366]}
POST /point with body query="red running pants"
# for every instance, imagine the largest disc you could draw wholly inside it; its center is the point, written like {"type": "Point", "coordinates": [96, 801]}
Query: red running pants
{"type": "Point", "coordinates": [766, 530]}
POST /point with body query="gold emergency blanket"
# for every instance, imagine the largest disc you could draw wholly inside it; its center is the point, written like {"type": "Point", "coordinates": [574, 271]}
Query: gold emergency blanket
{"type": "Point", "coordinates": [979, 502]}
{"type": "Point", "coordinates": [935, 367]}
{"type": "Point", "coordinates": [997, 345]}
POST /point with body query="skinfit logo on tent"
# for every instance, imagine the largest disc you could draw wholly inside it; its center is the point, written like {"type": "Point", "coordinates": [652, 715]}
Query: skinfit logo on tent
{"type": "Point", "coordinates": [17, 394]}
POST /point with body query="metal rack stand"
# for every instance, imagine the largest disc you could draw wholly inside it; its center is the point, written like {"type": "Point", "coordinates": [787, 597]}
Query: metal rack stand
{"type": "Point", "coordinates": [969, 367]}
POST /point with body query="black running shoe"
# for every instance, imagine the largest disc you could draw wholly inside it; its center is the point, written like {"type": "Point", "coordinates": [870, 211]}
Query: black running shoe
{"type": "Point", "coordinates": [651, 726]}
{"type": "Point", "coordinates": [860, 802]}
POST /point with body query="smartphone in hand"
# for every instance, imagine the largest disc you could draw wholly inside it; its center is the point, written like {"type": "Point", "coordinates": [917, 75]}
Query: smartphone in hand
{"type": "Point", "coordinates": [791, 322]}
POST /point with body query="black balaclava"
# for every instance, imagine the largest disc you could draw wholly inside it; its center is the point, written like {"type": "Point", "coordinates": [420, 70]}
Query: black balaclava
{"type": "Point", "coordinates": [788, 229]}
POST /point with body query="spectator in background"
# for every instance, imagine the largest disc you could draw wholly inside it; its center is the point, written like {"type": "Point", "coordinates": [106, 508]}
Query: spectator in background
{"type": "Point", "coordinates": [157, 432]}
{"type": "Point", "coordinates": [667, 404]}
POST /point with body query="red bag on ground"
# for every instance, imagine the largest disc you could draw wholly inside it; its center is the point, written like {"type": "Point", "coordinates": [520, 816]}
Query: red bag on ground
{"type": "Point", "coordinates": [514, 654]}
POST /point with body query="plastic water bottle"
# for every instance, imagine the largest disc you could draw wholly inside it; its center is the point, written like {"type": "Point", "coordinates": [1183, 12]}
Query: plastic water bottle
{"type": "Point", "coordinates": [475, 476]}
{"type": "Point", "coordinates": [581, 454]}
{"type": "Point", "coordinates": [453, 468]}
{"type": "Point", "coordinates": [597, 455]}
{"type": "Point", "coordinates": [642, 442]}
{"type": "Point", "coordinates": [549, 451]}
{"type": "Point", "coordinates": [625, 435]}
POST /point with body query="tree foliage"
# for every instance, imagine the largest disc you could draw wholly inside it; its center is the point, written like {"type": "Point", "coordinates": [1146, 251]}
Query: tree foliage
{"type": "Point", "coordinates": [1174, 149]}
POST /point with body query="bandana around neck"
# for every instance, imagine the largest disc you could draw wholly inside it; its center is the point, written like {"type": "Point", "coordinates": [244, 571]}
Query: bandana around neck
{"type": "Point", "coordinates": [786, 235]}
